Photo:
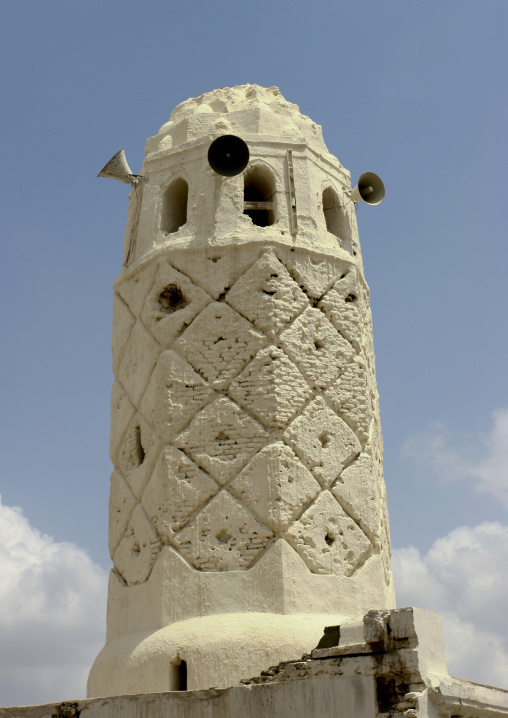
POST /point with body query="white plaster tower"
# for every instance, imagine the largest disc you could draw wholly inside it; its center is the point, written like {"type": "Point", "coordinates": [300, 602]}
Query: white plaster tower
{"type": "Point", "coordinates": [248, 507]}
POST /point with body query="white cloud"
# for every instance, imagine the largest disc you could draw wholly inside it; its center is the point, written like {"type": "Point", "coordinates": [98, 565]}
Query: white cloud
{"type": "Point", "coordinates": [485, 461]}
{"type": "Point", "coordinates": [463, 576]}
{"type": "Point", "coordinates": [52, 614]}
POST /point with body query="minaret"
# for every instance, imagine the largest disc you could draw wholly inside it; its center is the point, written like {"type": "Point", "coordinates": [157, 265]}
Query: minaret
{"type": "Point", "coordinates": [248, 507]}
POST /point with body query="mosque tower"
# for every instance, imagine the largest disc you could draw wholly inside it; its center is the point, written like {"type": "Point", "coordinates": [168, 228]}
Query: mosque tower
{"type": "Point", "coordinates": [248, 506]}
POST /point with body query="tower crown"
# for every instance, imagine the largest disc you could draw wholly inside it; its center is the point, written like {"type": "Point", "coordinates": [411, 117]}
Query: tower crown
{"type": "Point", "coordinates": [243, 109]}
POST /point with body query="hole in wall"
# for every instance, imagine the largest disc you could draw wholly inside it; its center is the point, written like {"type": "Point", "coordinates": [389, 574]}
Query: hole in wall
{"type": "Point", "coordinates": [324, 439]}
{"type": "Point", "coordinates": [139, 452]}
{"type": "Point", "coordinates": [222, 438]}
{"type": "Point", "coordinates": [223, 536]}
{"type": "Point", "coordinates": [329, 539]}
{"type": "Point", "coordinates": [350, 298]}
{"type": "Point", "coordinates": [171, 299]}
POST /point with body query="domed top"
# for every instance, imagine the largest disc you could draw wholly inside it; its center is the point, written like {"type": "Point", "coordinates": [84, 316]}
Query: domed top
{"type": "Point", "coordinates": [244, 109]}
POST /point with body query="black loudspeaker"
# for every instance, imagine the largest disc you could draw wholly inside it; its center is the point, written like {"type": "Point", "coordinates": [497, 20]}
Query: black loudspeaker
{"type": "Point", "coordinates": [228, 155]}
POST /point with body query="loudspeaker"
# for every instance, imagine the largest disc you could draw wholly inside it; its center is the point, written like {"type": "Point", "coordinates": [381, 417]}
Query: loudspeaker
{"type": "Point", "coordinates": [228, 155]}
{"type": "Point", "coordinates": [369, 189]}
{"type": "Point", "coordinates": [117, 168]}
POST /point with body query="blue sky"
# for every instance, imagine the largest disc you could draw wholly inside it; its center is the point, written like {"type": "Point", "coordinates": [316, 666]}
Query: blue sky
{"type": "Point", "coordinates": [415, 92]}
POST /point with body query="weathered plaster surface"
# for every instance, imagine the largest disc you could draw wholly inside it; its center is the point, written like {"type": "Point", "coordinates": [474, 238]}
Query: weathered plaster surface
{"type": "Point", "coordinates": [247, 500]}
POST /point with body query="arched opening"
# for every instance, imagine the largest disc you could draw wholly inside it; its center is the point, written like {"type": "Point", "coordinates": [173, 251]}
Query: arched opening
{"type": "Point", "coordinates": [178, 675]}
{"type": "Point", "coordinates": [259, 197]}
{"type": "Point", "coordinates": [174, 206]}
{"type": "Point", "coordinates": [336, 219]}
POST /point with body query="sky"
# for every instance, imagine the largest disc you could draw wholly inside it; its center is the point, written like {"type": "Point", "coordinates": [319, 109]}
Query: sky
{"type": "Point", "coordinates": [415, 92]}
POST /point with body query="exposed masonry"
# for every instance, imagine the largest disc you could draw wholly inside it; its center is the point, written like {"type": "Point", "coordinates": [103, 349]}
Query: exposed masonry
{"type": "Point", "coordinates": [245, 412]}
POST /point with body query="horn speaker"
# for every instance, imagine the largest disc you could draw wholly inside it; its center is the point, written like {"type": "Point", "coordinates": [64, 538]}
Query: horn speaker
{"type": "Point", "coordinates": [228, 155]}
{"type": "Point", "coordinates": [369, 189]}
{"type": "Point", "coordinates": [117, 168]}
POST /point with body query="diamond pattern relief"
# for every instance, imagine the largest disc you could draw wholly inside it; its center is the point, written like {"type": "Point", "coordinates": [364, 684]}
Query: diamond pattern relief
{"type": "Point", "coordinates": [204, 378]}
{"type": "Point", "coordinates": [356, 491]}
{"type": "Point", "coordinates": [138, 361]}
{"type": "Point", "coordinates": [275, 486]}
{"type": "Point", "coordinates": [123, 323]}
{"type": "Point", "coordinates": [122, 413]}
{"type": "Point", "coordinates": [172, 304]}
{"type": "Point", "coordinates": [175, 393]}
{"type": "Point", "coordinates": [224, 536]}
{"type": "Point", "coordinates": [138, 454]}
{"type": "Point", "coordinates": [316, 347]}
{"type": "Point", "coordinates": [219, 343]}
{"type": "Point", "coordinates": [218, 269]}
{"type": "Point", "coordinates": [135, 287]}
{"type": "Point", "coordinates": [271, 388]}
{"type": "Point", "coordinates": [323, 441]}
{"type": "Point", "coordinates": [176, 489]}
{"type": "Point", "coordinates": [345, 306]}
{"type": "Point", "coordinates": [267, 295]}
{"type": "Point", "coordinates": [137, 551]}
{"type": "Point", "coordinates": [122, 503]}
{"type": "Point", "coordinates": [350, 397]}
{"type": "Point", "coordinates": [315, 273]}
{"type": "Point", "coordinates": [221, 439]}
{"type": "Point", "coordinates": [328, 540]}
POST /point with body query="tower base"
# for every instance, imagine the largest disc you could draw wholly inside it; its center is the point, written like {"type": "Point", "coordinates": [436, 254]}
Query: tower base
{"type": "Point", "coordinates": [391, 664]}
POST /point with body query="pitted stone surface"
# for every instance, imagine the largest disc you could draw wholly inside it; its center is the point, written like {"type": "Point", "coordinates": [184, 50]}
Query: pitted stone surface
{"type": "Point", "coordinates": [217, 269]}
{"type": "Point", "coordinates": [172, 304]}
{"type": "Point", "coordinates": [276, 486]}
{"type": "Point", "coordinates": [138, 454]}
{"type": "Point", "coordinates": [123, 323]}
{"type": "Point", "coordinates": [359, 497]}
{"type": "Point", "coordinates": [271, 388]}
{"type": "Point", "coordinates": [138, 361]}
{"type": "Point", "coordinates": [134, 289]}
{"type": "Point", "coordinates": [316, 347]}
{"type": "Point", "coordinates": [313, 272]}
{"type": "Point", "coordinates": [224, 536]}
{"type": "Point", "coordinates": [174, 395]}
{"type": "Point", "coordinates": [323, 441]}
{"type": "Point", "coordinates": [221, 439]}
{"type": "Point", "coordinates": [345, 305]}
{"type": "Point", "coordinates": [137, 551]}
{"type": "Point", "coordinates": [122, 503]}
{"type": "Point", "coordinates": [267, 296]}
{"type": "Point", "coordinates": [328, 540]}
{"type": "Point", "coordinates": [351, 398]}
{"type": "Point", "coordinates": [219, 343]}
{"type": "Point", "coordinates": [176, 489]}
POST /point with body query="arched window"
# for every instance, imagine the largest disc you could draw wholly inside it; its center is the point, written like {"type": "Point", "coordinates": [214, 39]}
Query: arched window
{"type": "Point", "coordinates": [174, 206]}
{"type": "Point", "coordinates": [259, 197]}
{"type": "Point", "coordinates": [336, 219]}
